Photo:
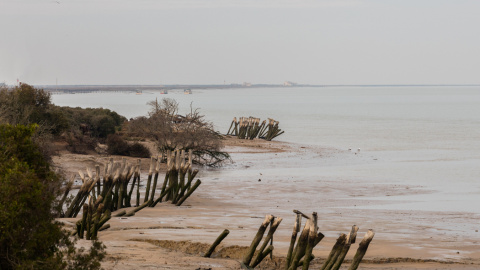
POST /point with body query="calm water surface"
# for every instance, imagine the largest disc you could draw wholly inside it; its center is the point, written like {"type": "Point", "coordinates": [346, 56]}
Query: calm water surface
{"type": "Point", "coordinates": [424, 136]}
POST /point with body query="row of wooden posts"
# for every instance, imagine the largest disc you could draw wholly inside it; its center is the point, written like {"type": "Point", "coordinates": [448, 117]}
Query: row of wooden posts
{"type": "Point", "coordinates": [250, 128]}
{"type": "Point", "coordinates": [300, 250]}
{"type": "Point", "coordinates": [119, 182]}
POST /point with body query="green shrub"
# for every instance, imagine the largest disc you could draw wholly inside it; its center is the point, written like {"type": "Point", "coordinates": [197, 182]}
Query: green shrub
{"type": "Point", "coordinates": [139, 150]}
{"type": "Point", "coordinates": [29, 236]}
{"type": "Point", "coordinates": [116, 145]}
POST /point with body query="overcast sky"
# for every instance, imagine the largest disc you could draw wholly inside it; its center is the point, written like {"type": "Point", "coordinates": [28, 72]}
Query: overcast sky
{"type": "Point", "coordinates": [257, 41]}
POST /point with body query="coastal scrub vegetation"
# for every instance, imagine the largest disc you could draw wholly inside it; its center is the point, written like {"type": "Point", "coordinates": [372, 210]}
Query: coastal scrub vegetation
{"type": "Point", "coordinates": [171, 131]}
{"type": "Point", "coordinates": [117, 145]}
{"type": "Point", "coordinates": [81, 128]}
{"type": "Point", "coordinates": [29, 236]}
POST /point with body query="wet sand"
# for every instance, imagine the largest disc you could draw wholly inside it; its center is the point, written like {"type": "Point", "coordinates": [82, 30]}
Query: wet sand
{"type": "Point", "coordinates": [275, 178]}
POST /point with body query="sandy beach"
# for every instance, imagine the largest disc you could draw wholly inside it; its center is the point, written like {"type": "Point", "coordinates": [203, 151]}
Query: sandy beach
{"type": "Point", "coordinates": [276, 178]}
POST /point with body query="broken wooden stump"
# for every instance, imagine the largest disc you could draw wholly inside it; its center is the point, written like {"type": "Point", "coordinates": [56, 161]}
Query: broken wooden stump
{"type": "Point", "coordinates": [256, 240]}
{"type": "Point", "coordinates": [273, 227]}
{"type": "Point", "coordinates": [336, 249]}
{"type": "Point", "coordinates": [296, 229]}
{"type": "Point", "coordinates": [249, 128]}
{"type": "Point", "coordinates": [362, 249]}
{"type": "Point", "coordinates": [216, 243]}
{"type": "Point", "coordinates": [311, 242]}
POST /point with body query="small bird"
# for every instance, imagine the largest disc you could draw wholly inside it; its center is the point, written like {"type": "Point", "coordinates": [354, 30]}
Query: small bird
{"type": "Point", "coordinates": [358, 150]}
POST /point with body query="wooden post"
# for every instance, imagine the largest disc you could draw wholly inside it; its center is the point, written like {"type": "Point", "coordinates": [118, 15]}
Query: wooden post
{"type": "Point", "coordinates": [271, 231]}
{"type": "Point", "coordinates": [96, 222]}
{"type": "Point", "coordinates": [303, 261]}
{"type": "Point", "coordinates": [301, 245]}
{"type": "Point", "coordinates": [97, 178]}
{"type": "Point", "coordinates": [231, 125]}
{"type": "Point", "coordinates": [257, 239]}
{"type": "Point", "coordinates": [159, 199]}
{"type": "Point", "coordinates": [296, 229]}
{"type": "Point", "coordinates": [263, 255]}
{"type": "Point", "coordinates": [190, 191]}
{"type": "Point", "coordinates": [120, 213]}
{"type": "Point", "coordinates": [84, 220]}
{"type": "Point", "coordinates": [216, 243]}
{"type": "Point", "coordinates": [68, 187]}
{"type": "Point", "coordinates": [105, 217]}
{"type": "Point", "coordinates": [157, 169]}
{"type": "Point", "coordinates": [350, 238]}
{"type": "Point", "coordinates": [150, 172]}
{"type": "Point", "coordinates": [362, 249]}
{"type": "Point", "coordinates": [89, 220]}
{"type": "Point", "coordinates": [336, 249]}
{"type": "Point", "coordinates": [311, 242]}
{"type": "Point", "coordinates": [137, 173]}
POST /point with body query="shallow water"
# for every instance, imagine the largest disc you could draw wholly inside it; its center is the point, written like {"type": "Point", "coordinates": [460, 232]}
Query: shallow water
{"type": "Point", "coordinates": [428, 137]}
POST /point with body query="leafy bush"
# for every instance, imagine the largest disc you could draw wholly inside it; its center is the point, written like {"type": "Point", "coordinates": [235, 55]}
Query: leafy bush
{"type": "Point", "coordinates": [29, 237]}
{"type": "Point", "coordinates": [139, 150]}
{"type": "Point", "coordinates": [118, 146]}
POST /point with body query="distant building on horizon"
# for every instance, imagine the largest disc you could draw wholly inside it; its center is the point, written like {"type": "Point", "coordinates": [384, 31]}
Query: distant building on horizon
{"type": "Point", "coordinates": [288, 83]}
{"type": "Point", "coordinates": [247, 84]}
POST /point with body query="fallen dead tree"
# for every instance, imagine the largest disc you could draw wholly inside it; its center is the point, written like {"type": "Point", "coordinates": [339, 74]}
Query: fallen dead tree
{"type": "Point", "coordinates": [250, 128]}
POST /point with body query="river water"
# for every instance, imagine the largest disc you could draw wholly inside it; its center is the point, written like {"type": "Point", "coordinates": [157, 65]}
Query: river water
{"type": "Point", "coordinates": [423, 136]}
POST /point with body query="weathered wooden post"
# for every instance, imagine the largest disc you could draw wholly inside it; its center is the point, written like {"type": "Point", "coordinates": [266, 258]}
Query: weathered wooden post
{"type": "Point", "coordinates": [262, 256]}
{"type": "Point", "coordinates": [350, 239]}
{"type": "Point", "coordinates": [154, 187]}
{"type": "Point", "coordinates": [150, 172]}
{"type": "Point", "coordinates": [311, 241]}
{"type": "Point", "coordinates": [216, 243]}
{"type": "Point", "coordinates": [296, 229]}
{"type": "Point", "coordinates": [336, 249]}
{"type": "Point", "coordinates": [257, 239]}
{"type": "Point", "coordinates": [273, 227]}
{"type": "Point", "coordinates": [362, 249]}
{"type": "Point", "coordinates": [301, 245]}
{"type": "Point", "coordinates": [190, 191]}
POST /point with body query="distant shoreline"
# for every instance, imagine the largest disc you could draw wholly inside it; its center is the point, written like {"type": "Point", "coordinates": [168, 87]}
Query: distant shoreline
{"type": "Point", "coordinates": [134, 88]}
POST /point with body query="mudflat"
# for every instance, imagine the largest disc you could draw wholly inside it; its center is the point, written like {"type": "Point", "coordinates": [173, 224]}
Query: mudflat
{"type": "Point", "coordinates": [276, 178]}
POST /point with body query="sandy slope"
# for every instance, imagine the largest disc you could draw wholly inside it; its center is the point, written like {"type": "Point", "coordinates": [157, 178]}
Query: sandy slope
{"type": "Point", "coordinates": [275, 178]}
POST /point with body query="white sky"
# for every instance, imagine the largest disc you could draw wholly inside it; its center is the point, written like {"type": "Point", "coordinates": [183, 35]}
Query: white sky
{"type": "Point", "coordinates": [257, 41]}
